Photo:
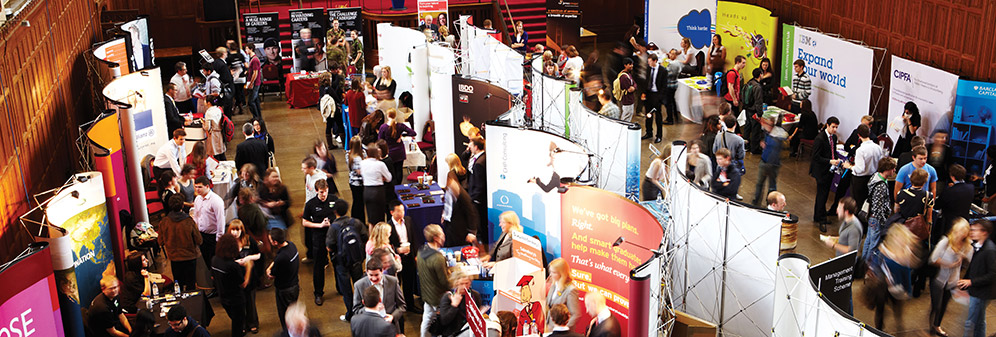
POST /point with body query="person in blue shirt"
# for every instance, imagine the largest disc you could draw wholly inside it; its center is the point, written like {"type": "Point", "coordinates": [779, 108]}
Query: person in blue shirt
{"type": "Point", "coordinates": [919, 161]}
{"type": "Point", "coordinates": [767, 169]}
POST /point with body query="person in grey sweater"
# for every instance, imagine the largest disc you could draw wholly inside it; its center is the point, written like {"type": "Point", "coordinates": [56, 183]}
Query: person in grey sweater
{"type": "Point", "coordinates": [729, 140]}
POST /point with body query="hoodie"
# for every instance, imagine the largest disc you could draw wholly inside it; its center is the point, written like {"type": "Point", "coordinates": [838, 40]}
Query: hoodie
{"type": "Point", "coordinates": [192, 330]}
{"type": "Point", "coordinates": [179, 237]}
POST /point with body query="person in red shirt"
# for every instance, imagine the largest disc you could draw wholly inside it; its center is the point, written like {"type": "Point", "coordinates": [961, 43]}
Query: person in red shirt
{"type": "Point", "coordinates": [254, 78]}
{"type": "Point", "coordinates": [733, 82]}
{"type": "Point", "coordinates": [357, 103]}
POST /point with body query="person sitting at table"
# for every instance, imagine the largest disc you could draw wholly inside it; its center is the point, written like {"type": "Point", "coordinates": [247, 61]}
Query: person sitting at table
{"type": "Point", "coordinates": [183, 325]}
{"type": "Point", "coordinates": [385, 84]}
{"type": "Point", "coordinates": [145, 324]}
{"type": "Point", "coordinates": [105, 317]}
{"type": "Point", "coordinates": [807, 129]}
{"type": "Point", "coordinates": [391, 132]}
{"type": "Point", "coordinates": [135, 283]}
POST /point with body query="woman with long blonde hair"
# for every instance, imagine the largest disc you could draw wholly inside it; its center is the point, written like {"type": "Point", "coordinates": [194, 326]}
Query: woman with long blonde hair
{"type": "Point", "coordinates": [385, 84]}
{"type": "Point", "coordinates": [560, 290]}
{"type": "Point", "coordinates": [509, 222]}
{"type": "Point", "coordinates": [954, 249]}
{"type": "Point", "coordinates": [380, 238]}
{"type": "Point", "coordinates": [457, 171]}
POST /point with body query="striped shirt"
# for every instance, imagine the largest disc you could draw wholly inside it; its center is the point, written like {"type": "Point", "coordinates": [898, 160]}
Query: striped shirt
{"type": "Point", "coordinates": [801, 86]}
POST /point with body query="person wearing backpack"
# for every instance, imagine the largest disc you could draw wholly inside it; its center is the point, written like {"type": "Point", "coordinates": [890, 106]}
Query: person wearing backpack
{"type": "Point", "coordinates": [346, 238]}
{"type": "Point", "coordinates": [318, 215]}
{"type": "Point", "coordinates": [624, 90]}
{"type": "Point", "coordinates": [732, 81]}
{"type": "Point", "coordinates": [752, 101]}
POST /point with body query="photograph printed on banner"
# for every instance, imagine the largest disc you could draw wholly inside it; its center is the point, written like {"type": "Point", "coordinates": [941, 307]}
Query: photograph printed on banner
{"type": "Point", "coordinates": [309, 51]}
{"type": "Point", "coordinates": [272, 58]}
{"type": "Point", "coordinates": [347, 24]}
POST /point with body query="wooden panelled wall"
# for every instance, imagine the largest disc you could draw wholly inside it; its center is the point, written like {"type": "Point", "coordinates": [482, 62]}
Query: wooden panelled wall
{"type": "Point", "coordinates": [953, 35]}
{"type": "Point", "coordinates": [44, 96]}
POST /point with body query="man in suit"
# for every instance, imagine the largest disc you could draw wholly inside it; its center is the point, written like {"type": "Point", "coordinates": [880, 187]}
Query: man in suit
{"type": "Point", "coordinates": [560, 316]}
{"type": "Point", "coordinates": [402, 234]}
{"type": "Point", "coordinates": [656, 86]}
{"type": "Point", "coordinates": [391, 302]}
{"type": "Point", "coordinates": [371, 321]}
{"type": "Point", "coordinates": [824, 158]}
{"type": "Point", "coordinates": [252, 150]}
{"type": "Point", "coordinates": [477, 185]}
{"type": "Point", "coordinates": [603, 324]}
{"type": "Point", "coordinates": [953, 202]}
{"type": "Point", "coordinates": [173, 119]}
{"type": "Point", "coordinates": [979, 278]}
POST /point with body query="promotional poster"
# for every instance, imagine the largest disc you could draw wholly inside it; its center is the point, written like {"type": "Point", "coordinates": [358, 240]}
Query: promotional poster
{"type": "Point", "coordinates": [114, 52]}
{"type": "Point", "coordinates": [833, 279]}
{"type": "Point", "coordinates": [141, 45]}
{"type": "Point", "coordinates": [747, 30]}
{"type": "Point", "coordinates": [433, 14]}
{"type": "Point", "coordinates": [349, 20]}
{"type": "Point", "coordinates": [86, 244]}
{"type": "Point", "coordinates": [972, 131]}
{"type": "Point", "coordinates": [840, 71]}
{"type": "Point", "coordinates": [670, 21]}
{"type": "Point", "coordinates": [476, 102]}
{"type": "Point", "coordinates": [563, 22]}
{"type": "Point", "coordinates": [307, 37]}
{"type": "Point", "coordinates": [525, 169]}
{"type": "Point", "coordinates": [104, 137]}
{"type": "Point", "coordinates": [28, 304]}
{"type": "Point", "coordinates": [263, 31]}
{"type": "Point", "coordinates": [933, 90]}
{"type": "Point", "coordinates": [602, 238]}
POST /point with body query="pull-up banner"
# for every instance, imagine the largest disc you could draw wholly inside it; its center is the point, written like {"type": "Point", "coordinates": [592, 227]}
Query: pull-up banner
{"type": "Point", "coordinates": [263, 31]}
{"type": "Point", "coordinates": [833, 279]}
{"type": "Point", "coordinates": [563, 22]}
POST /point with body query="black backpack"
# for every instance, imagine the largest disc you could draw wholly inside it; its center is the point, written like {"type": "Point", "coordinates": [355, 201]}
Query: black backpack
{"type": "Point", "coordinates": [725, 88]}
{"type": "Point", "coordinates": [351, 246]}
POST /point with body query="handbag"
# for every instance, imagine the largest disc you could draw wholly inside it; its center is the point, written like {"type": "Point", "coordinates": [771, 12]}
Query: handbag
{"type": "Point", "coordinates": [918, 226]}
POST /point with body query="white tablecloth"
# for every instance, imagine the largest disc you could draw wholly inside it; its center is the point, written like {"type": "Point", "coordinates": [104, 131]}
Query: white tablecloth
{"type": "Point", "coordinates": [414, 157]}
{"type": "Point", "coordinates": [688, 97]}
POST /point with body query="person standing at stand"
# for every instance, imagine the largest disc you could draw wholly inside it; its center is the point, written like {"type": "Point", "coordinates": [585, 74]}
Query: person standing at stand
{"type": "Point", "coordinates": [732, 81]}
{"type": "Point", "coordinates": [866, 159]}
{"type": "Point", "coordinates": [820, 167]}
{"type": "Point", "coordinates": [801, 86]}
{"type": "Point", "coordinates": [627, 94]}
{"type": "Point", "coordinates": [477, 185]}
{"type": "Point", "coordinates": [603, 323]}
{"type": "Point", "coordinates": [284, 270]}
{"type": "Point", "coordinates": [171, 156]}
{"type": "Point", "coordinates": [656, 86]}
{"type": "Point", "coordinates": [184, 89]}
{"type": "Point", "coordinates": [561, 292]}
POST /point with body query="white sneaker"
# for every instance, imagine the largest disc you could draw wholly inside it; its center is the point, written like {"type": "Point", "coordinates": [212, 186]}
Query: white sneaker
{"type": "Point", "coordinates": [342, 318]}
{"type": "Point", "coordinates": [739, 197]}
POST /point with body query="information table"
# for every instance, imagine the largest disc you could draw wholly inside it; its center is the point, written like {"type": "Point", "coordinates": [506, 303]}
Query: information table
{"type": "Point", "coordinates": [688, 97]}
{"type": "Point", "coordinates": [301, 90]}
{"type": "Point", "coordinates": [196, 304]}
{"type": "Point", "coordinates": [422, 213]}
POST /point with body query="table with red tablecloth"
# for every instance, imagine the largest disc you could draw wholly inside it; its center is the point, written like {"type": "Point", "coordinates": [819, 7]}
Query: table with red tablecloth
{"type": "Point", "coordinates": [301, 90]}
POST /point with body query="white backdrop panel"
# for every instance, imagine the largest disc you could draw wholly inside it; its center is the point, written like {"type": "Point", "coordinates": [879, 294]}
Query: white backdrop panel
{"type": "Point", "coordinates": [394, 44]}
{"type": "Point", "coordinates": [489, 59]}
{"type": "Point", "coordinates": [668, 19]}
{"type": "Point", "coordinates": [933, 90]}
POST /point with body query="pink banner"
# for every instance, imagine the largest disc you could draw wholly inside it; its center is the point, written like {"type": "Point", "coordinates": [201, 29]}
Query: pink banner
{"type": "Point", "coordinates": [25, 315]}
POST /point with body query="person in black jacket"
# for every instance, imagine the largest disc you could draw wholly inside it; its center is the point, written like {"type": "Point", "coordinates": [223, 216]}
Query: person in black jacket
{"type": "Point", "coordinates": [953, 202]}
{"type": "Point", "coordinates": [183, 325]}
{"type": "Point", "coordinates": [461, 228]}
{"type": "Point", "coordinates": [405, 247]}
{"type": "Point", "coordinates": [477, 185]}
{"type": "Point", "coordinates": [824, 158]}
{"type": "Point", "coordinates": [656, 86]}
{"type": "Point", "coordinates": [252, 150]}
{"type": "Point", "coordinates": [453, 304]}
{"type": "Point", "coordinates": [726, 179]}
{"type": "Point", "coordinates": [230, 279]}
{"type": "Point", "coordinates": [173, 119]}
{"type": "Point", "coordinates": [806, 130]}
{"type": "Point", "coordinates": [979, 278]}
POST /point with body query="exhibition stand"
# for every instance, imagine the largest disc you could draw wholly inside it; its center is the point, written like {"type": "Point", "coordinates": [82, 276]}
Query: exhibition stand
{"type": "Point", "coordinates": [487, 58]}
{"type": "Point", "coordinates": [28, 302]}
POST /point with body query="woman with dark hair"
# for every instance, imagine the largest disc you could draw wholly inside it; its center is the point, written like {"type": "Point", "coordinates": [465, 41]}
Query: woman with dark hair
{"type": "Point", "coordinates": [375, 175]}
{"type": "Point", "coordinates": [710, 128]}
{"type": "Point", "coordinates": [769, 82]}
{"type": "Point", "coordinates": [391, 132]}
{"type": "Point", "coordinates": [230, 280]}
{"type": "Point", "coordinates": [168, 185]}
{"type": "Point", "coordinates": [145, 324]}
{"type": "Point", "coordinates": [717, 57]}
{"type": "Point", "coordinates": [199, 158]}
{"type": "Point", "coordinates": [356, 101]}
{"type": "Point", "coordinates": [252, 216]}
{"type": "Point", "coordinates": [212, 128]}
{"type": "Point", "coordinates": [250, 258]}
{"type": "Point", "coordinates": [273, 196]}
{"type": "Point", "coordinates": [135, 282]}
{"type": "Point", "coordinates": [911, 123]}
{"type": "Point", "coordinates": [370, 127]}
{"type": "Point", "coordinates": [353, 159]}
{"type": "Point", "coordinates": [698, 167]}
{"type": "Point", "coordinates": [508, 323]}
{"type": "Point", "coordinates": [186, 184]}
{"type": "Point", "coordinates": [259, 132]}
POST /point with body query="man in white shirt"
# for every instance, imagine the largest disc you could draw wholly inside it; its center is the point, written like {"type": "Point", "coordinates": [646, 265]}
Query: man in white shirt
{"type": "Point", "coordinates": [865, 164]}
{"type": "Point", "coordinates": [170, 156]}
{"type": "Point", "coordinates": [402, 232]}
{"type": "Point", "coordinates": [209, 214]}
{"type": "Point", "coordinates": [184, 89]}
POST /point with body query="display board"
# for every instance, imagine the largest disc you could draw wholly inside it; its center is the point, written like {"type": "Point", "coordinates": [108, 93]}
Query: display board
{"type": "Point", "coordinates": [801, 310]}
{"type": "Point", "coordinates": [87, 244]}
{"type": "Point", "coordinates": [304, 48]}
{"type": "Point", "coordinates": [28, 302]}
{"type": "Point", "coordinates": [747, 30]}
{"type": "Point", "coordinates": [432, 14]}
{"type": "Point", "coordinates": [525, 168]}
{"type": "Point", "coordinates": [667, 22]}
{"type": "Point", "coordinates": [441, 61]}
{"type": "Point", "coordinates": [725, 254]}
{"type": "Point", "coordinates": [394, 46]}
{"type": "Point", "coordinates": [115, 54]}
{"type": "Point", "coordinates": [833, 279]}
{"type": "Point", "coordinates": [476, 102]}
{"type": "Point", "coordinates": [563, 23]}
{"type": "Point", "coordinates": [933, 90]}
{"type": "Point", "coordinates": [973, 126]}
{"type": "Point", "coordinates": [592, 220]}
{"type": "Point", "coordinates": [104, 138]}
{"type": "Point", "coordinates": [527, 259]}
{"type": "Point", "coordinates": [840, 72]}
{"type": "Point", "coordinates": [141, 55]}
{"type": "Point", "coordinates": [263, 31]}
{"type": "Point", "coordinates": [488, 59]}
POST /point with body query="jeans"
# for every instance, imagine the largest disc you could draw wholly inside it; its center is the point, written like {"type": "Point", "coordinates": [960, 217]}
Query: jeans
{"type": "Point", "coordinates": [345, 276]}
{"type": "Point", "coordinates": [872, 238]}
{"type": "Point", "coordinates": [767, 172]}
{"type": "Point", "coordinates": [427, 311]}
{"type": "Point", "coordinates": [975, 323]}
{"type": "Point", "coordinates": [253, 103]}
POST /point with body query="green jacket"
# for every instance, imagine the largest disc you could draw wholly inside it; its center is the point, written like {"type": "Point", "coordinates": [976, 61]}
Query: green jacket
{"type": "Point", "coordinates": [432, 274]}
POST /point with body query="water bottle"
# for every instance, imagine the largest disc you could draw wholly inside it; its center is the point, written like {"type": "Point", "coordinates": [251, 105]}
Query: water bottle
{"type": "Point", "coordinates": [155, 290]}
{"type": "Point", "coordinates": [176, 288]}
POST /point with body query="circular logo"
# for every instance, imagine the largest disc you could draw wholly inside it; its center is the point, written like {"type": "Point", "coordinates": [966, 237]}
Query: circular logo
{"type": "Point", "coordinates": [503, 199]}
